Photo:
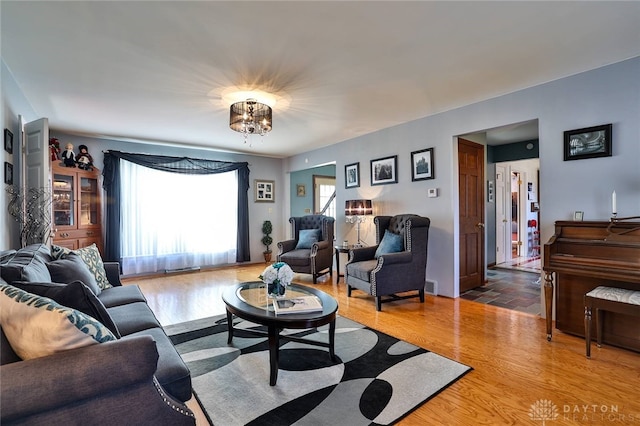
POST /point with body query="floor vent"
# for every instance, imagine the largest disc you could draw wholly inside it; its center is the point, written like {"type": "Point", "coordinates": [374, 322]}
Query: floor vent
{"type": "Point", "coordinates": [431, 287]}
{"type": "Point", "coordinates": [181, 270]}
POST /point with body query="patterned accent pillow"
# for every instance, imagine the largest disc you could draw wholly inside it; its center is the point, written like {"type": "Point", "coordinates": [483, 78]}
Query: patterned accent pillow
{"type": "Point", "coordinates": [391, 243]}
{"type": "Point", "coordinates": [72, 268]}
{"type": "Point", "coordinates": [91, 256]}
{"type": "Point", "coordinates": [307, 238]}
{"type": "Point", "coordinates": [74, 295]}
{"type": "Point", "coordinates": [58, 252]}
{"type": "Point", "coordinates": [37, 326]}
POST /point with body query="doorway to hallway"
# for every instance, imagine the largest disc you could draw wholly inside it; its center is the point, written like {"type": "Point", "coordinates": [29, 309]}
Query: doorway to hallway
{"type": "Point", "coordinates": [517, 233]}
{"type": "Point", "coordinates": [512, 261]}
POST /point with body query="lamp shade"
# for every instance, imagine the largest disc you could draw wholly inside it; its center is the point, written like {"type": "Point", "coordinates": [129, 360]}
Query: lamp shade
{"type": "Point", "coordinates": [358, 208]}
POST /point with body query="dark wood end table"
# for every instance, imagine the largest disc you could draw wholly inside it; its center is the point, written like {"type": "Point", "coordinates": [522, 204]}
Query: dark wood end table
{"type": "Point", "coordinates": [341, 249]}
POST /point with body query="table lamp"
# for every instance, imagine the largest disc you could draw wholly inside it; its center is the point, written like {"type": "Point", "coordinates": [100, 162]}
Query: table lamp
{"type": "Point", "coordinates": [356, 211]}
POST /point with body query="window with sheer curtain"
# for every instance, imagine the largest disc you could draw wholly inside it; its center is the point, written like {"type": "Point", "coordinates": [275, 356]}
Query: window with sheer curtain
{"type": "Point", "coordinates": [174, 221]}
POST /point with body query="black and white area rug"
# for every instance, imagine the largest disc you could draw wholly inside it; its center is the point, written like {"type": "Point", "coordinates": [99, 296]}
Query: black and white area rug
{"type": "Point", "coordinates": [377, 381]}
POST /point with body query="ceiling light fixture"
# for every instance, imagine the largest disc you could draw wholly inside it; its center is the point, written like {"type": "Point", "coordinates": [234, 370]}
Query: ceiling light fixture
{"type": "Point", "coordinates": [250, 117]}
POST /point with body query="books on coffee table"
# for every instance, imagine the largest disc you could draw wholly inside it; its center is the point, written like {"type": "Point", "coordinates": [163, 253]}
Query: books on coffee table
{"type": "Point", "coordinates": [297, 305]}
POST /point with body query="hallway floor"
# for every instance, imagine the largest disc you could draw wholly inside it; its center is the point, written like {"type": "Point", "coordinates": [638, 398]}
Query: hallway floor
{"type": "Point", "coordinates": [511, 289]}
{"type": "Point", "coordinates": [526, 264]}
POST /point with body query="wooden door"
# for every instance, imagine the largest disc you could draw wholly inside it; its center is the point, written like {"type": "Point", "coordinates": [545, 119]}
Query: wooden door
{"type": "Point", "coordinates": [471, 206]}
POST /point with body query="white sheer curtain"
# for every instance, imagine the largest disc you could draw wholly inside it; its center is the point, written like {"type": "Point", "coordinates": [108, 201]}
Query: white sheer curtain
{"type": "Point", "coordinates": [175, 221]}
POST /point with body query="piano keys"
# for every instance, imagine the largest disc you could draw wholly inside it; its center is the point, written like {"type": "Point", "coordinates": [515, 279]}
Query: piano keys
{"type": "Point", "coordinates": [582, 256]}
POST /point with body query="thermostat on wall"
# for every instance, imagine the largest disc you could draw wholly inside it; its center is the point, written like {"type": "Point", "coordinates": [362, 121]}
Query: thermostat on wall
{"type": "Point", "coordinates": [432, 192]}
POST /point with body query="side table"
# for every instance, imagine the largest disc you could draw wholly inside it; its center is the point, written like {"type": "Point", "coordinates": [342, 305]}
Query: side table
{"type": "Point", "coordinates": [340, 249]}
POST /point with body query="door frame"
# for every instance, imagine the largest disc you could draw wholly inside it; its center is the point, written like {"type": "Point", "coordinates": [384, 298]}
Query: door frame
{"type": "Point", "coordinates": [503, 242]}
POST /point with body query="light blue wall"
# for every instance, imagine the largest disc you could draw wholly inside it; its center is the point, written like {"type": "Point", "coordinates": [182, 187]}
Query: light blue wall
{"type": "Point", "coordinates": [609, 94]}
{"type": "Point", "coordinates": [299, 205]}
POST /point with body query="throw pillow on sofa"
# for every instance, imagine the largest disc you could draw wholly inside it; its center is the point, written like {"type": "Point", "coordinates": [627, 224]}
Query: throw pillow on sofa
{"type": "Point", "coordinates": [37, 326]}
{"type": "Point", "coordinates": [91, 257]}
{"type": "Point", "coordinates": [72, 268]}
{"type": "Point", "coordinates": [74, 295]}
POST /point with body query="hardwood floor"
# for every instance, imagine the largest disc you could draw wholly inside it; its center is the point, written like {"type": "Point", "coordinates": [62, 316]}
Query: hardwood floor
{"type": "Point", "coordinates": [515, 369]}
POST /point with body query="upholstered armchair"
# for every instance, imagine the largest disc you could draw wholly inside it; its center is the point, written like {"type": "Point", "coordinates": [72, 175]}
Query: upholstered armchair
{"type": "Point", "coordinates": [396, 264]}
{"type": "Point", "coordinates": [311, 249]}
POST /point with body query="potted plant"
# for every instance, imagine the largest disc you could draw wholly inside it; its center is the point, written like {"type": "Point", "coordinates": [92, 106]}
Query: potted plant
{"type": "Point", "coordinates": [267, 228]}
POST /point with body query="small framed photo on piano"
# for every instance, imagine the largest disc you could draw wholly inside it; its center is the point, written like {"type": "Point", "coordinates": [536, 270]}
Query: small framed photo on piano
{"type": "Point", "coordinates": [578, 216]}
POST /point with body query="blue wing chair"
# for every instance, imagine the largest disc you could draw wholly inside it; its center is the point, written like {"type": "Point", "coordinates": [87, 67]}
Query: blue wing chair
{"type": "Point", "coordinates": [396, 264]}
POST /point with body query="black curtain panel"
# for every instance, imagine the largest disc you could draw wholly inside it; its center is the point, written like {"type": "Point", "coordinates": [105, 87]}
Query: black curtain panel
{"type": "Point", "coordinates": [184, 165]}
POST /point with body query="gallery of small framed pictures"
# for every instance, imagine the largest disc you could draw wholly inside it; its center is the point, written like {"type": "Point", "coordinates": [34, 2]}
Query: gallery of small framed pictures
{"type": "Point", "coordinates": [264, 191]}
{"type": "Point", "coordinates": [385, 170]}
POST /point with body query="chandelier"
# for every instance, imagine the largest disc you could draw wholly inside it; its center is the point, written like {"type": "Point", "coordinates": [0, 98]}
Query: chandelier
{"type": "Point", "coordinates": [250, 117]}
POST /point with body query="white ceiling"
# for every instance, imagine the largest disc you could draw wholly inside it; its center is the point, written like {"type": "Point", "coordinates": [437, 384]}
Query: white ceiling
{"type": "Point", "coordinates": [155, 71]}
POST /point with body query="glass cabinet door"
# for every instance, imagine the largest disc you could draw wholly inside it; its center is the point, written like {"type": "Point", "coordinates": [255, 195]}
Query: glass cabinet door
{"type": "Point", "coordinates": [88, 201]}
{"type": "Point", "coordinates": [63, 201]}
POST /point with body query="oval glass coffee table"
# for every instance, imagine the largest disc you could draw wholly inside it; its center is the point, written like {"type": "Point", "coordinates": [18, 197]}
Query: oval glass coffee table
{"type": "Point", "coordinates": [249, 301]}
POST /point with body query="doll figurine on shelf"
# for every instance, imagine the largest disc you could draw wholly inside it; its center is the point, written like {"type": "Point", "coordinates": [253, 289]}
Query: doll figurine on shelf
{"type": "Point", "coordinates": [68, 157]}
{"type": "Point", "coordinates": [84, 159]}
{"type": "Point", "coordinates": [54, 149]}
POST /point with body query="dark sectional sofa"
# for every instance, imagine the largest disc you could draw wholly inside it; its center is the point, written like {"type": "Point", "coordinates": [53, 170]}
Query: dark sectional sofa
{"type": "Point", "coordinates": [137, 379]}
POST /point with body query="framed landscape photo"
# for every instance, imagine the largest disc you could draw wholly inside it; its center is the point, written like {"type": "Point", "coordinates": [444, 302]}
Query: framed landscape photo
{"type": "Point", "coordinates": [422, 165]}
{"type": "Point", "coordinates": [352, 175]}
{"type": "Point", "coordinates": [8, 141]}
{"type": "Point", "coordinates": [265, 191]}
{"type": "Point", "coordinates": [384, 170]}
{"type": "Point", "coordinates": [590, 142]}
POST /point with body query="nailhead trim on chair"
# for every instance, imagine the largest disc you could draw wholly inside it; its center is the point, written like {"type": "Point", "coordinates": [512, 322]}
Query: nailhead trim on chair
{"type": "Point", "coordinates": [373, 276]}
{"type": "Point", "coordinates": [170, 402]}
{"type": "Point", "coordinates": [407, 235]}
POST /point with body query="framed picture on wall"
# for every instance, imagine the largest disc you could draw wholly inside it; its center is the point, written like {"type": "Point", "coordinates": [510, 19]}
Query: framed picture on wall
{"type": "Point", "coordinates": [422, 165]}
{"type": "Point", "coordinates": [8, 141]}
{"type": "Point", "coordinates": [352, 175]}
{"type": "Point", "coordinates": [8, 173]}
{"type": "Point", "coordinates": [590, 142]}
{"type": "Point", "coordinates": [301, 190]}
{"type": "Point", "coordinates": [384, 170]}
{"type": "Point", "coordinates": [264, 191]}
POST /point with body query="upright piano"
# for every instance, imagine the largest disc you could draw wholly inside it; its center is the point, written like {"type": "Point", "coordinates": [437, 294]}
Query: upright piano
{"type": "Point", "coordinates": [584, 255]}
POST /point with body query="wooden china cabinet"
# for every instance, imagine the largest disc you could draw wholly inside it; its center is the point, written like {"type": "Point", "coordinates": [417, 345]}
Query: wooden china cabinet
{"type": "Point", "coordinates": [76, 207]}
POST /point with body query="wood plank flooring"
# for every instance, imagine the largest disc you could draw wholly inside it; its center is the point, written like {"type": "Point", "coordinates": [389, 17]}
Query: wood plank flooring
{"type": "Point", "coordinates": [515, 368]}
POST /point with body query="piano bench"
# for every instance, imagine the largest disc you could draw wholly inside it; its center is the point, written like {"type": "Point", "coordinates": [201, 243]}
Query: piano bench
{"type": "Point", "coordinates": [610, 299]}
